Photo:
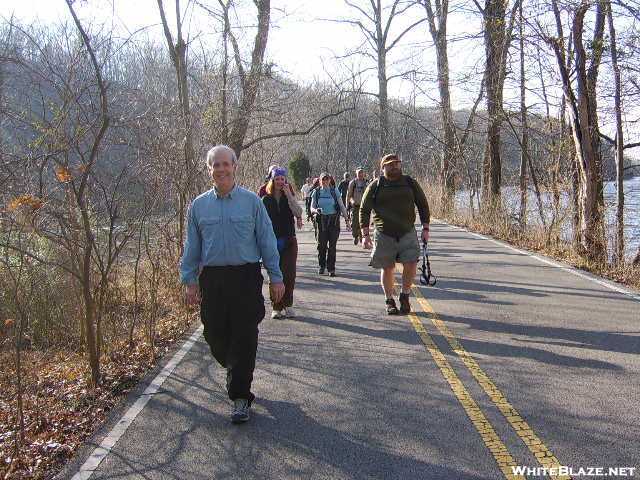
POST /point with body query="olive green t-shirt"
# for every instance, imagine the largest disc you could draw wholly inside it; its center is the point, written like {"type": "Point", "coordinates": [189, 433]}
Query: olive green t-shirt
{"type": "Point", "coordinates": [394, 209]}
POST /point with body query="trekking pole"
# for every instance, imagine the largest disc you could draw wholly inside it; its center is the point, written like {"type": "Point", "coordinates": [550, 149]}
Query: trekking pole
{"type": "Point", "coordinates": [426, 277]}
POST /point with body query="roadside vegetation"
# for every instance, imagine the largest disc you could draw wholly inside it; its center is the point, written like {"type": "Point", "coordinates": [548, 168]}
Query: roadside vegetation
{"type": "Point", "coordinates": [103, 134]}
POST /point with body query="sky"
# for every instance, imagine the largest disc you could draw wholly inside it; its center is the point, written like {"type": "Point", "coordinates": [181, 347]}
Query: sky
{"type": "Point", "coordinates": [303, 42]}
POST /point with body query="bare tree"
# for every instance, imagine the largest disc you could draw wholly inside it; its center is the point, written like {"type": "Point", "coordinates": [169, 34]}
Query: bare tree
{"type": "Point", "coordinates": [178, 55]}
{"type": "Point", "coordinates": [583, 115]}
{"type": "Point", "coordinates": [250, 81]}
{"type": "Point", "coordinates": [376, 31]}
{"type": "Point", "coordinates": [21, 290]}
{"type": "Point", "coordinates": [497, 39]}
{"type": "Point", "coordinates": [437, 18]}
{"type": "Point", "coordinates": [619, 140]}
{"type": "Point", "coordinates": [524, 145]}
{"type": "Point", "coordinates": [78, 191]}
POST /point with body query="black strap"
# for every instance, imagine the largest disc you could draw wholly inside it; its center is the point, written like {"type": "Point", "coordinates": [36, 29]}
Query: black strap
{"type": "Point", "coordinates": [332, 191]}
{"type": "Point", "coordinates": [410, 182]}
{"type": "Point", "coordinates": [426, 277]}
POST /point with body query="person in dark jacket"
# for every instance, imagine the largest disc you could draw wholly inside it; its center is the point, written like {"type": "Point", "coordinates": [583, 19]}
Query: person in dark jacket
{"type": "Point", "coordinates": [393, 197]}
{"type": "Point", "coordinates": [355, 191]}
{"type": "Point", "coordinates": [314, 185]}
{"type": "Point", "coordinates": [282, 208]}
{"type": "Point", "coordinates": [343, 186]}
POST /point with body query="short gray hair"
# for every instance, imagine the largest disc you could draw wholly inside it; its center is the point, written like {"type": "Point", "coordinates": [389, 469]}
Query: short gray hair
{"type": "Point", "coordinates": [217, 149]}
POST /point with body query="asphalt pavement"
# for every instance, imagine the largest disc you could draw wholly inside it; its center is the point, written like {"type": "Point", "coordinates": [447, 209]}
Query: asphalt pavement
{"type": "Point", "coordinates": [507, 362]}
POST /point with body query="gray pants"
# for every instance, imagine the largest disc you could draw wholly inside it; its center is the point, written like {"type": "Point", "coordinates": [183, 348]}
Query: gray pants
{"type": "Point", "coordinates": [388, 251]}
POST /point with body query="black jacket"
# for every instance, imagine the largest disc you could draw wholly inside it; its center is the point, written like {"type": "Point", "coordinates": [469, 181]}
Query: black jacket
{"type": "Point", "coordinates": [281, 216]}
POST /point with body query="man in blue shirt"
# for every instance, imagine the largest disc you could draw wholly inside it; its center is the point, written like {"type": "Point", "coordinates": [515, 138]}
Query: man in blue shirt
{"type": "Point", "coordinates": [228, 232]}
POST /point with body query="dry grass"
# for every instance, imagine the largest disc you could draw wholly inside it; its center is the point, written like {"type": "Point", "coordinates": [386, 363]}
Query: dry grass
{"type": "Point", "coordinates": [501, 226]}
{"type": "Point", "coordinates": [61, 410]}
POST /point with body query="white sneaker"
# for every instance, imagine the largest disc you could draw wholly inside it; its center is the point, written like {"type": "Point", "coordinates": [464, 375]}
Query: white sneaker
{"type": "Point", "coordinates": [277, 315]}
{"type": "Point", "coordinates": [289, 312]}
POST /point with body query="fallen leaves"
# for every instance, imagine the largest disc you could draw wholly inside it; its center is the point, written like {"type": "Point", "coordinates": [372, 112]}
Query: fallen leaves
{"type": "Point", "coordinates": [63, 174]}
{"type": "Point", "coordinates": [60, 409]}
{"type": "Point", "coordinates": [30, 201]}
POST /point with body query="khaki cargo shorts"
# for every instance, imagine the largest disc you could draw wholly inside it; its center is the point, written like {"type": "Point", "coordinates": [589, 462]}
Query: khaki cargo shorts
{"type": "Point", "coordinates": [388, 251]}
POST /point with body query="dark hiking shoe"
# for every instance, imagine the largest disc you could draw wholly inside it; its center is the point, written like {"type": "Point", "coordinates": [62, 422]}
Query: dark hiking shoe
{"type": "Point", "coordinates": [391, 306]}
{"type": "Point", "coordinates": [405, 307]}
{"type": "Point", "coordinates": [332, 274]}
{"type": "Point", "coordinates": [240, 410]}
{"type": "Point", "coordinates": [356, 241]}
{"type": "Point", "coordinates": [321, 271]}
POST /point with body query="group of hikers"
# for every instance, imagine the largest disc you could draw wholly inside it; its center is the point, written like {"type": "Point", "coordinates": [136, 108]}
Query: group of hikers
{"type": "Point", "coordinates": [351, 192]}
{"type": "Point", "coordinates": [230, 230]}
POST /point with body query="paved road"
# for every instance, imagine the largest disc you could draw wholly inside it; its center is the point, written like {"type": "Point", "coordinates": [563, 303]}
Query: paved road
{"type": "Point", "coordinates": [508, 361]}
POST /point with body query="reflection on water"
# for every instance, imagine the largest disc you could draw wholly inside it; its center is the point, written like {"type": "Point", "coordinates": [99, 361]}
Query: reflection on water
{"type": "Point", "coordinates": [511, 196]}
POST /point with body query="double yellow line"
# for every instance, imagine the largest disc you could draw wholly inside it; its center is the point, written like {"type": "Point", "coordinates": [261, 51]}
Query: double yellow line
{"type": "Point", "coordinates": [484, 428]}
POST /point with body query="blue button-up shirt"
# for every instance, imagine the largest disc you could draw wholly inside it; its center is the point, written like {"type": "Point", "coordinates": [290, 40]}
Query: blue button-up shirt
{"type": "Point", "coordinates": [230, 230]}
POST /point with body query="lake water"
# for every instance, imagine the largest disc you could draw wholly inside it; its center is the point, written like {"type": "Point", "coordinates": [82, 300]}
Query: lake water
{"type": "Point", "coordinates": [511, 196]}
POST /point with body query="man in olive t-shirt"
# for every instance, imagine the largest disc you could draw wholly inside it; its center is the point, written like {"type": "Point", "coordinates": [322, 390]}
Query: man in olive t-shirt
{"type": "Point", "coordinates": [393, 197]}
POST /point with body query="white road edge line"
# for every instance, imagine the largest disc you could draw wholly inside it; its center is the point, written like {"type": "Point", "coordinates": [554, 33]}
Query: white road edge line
{"type": "Point", "coordinates": [570, 270]}
{"type": "Point", "coordinates": [99, 454]}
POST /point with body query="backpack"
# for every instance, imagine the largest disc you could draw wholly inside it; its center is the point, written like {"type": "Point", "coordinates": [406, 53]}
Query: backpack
{"type": "Point", "coordinates": [381, 180]}
{"type": "Point", "coordinates": [316, 196]}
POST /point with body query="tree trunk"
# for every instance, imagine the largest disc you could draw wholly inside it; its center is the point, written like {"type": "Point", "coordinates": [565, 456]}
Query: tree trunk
{"type": "Point", "coordinates": [586, 137]}
{"type": "Point", "coordinates": [494, 40]}
{"type": "Point", "coordinates": [224, 113]}
{"type": "Point", "coordinates": [525, 131]}
{"type": "Point", "coordinates": [536, 189]}
{"type": "Point", "coordinates": [449, 149]}
{"type": "Point", "coordinates": [438, 28]}
{"type": "Point", "coordinates": [178, 54]}
{"type": "Point", "coordinates": [89, 323]}
{"type": "Point", "coordinates": [251, 82]}
{"type": "Point", "coordinates": [575, 201]}
{"type": "Point", "coordinates": [81, 195]}
{"type": "Point", "coordinates": [619, 144]}
{"type": "Point", "coordinates": [383, 101]}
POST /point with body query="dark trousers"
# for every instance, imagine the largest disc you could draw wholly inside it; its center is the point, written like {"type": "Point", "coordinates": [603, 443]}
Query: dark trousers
{"type": "Point", "coordinates": [355, 222]}
{"type": "Point", "coordinates": [328, 233]}
{"type": "Point", "coordinates": [288, 259]}
{"type": "Point", "coordinates": [307, 206]}
{"type": "Point", "coordinates": [232, 307]}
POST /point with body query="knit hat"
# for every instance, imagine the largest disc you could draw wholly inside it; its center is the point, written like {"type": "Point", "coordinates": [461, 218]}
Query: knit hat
{"type": "Point", "coordinates": [279, 172]}
{"type": "Point", "coordinates": [269, 175]}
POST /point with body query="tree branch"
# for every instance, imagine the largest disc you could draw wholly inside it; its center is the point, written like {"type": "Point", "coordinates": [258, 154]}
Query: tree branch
{"type": "Point", "coordinates": [613, 142]}
{"type": "Point", "coordinates": [295, 133]}
{"type": "Point", "coordinates": [361, 10]}
{"type": "Point", "coordinates": [234, 44]}
{"type": "Point", "coordinates": [406, 30]}
{"type": "Point", "coordinates": [167, 34]}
